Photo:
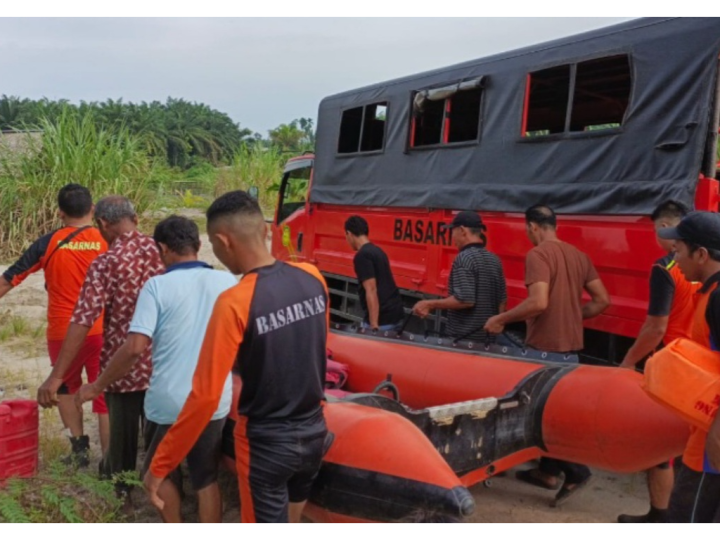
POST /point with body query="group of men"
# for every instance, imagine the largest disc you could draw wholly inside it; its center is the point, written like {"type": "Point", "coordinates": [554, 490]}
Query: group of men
{"type": "Point", "coordinates": [683, 304]}
{"type": "Point", "coordinates": [159, 333]}
{"type": "Point", "coordinates": [556, 275]}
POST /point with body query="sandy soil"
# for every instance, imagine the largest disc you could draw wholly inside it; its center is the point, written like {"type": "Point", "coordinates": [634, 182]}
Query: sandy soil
{"type": "Point", "coordinates": [24, 365]}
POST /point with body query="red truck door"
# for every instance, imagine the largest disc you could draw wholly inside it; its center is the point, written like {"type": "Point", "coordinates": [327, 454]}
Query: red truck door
{"type": "Point", "coordinates": [290, 226]}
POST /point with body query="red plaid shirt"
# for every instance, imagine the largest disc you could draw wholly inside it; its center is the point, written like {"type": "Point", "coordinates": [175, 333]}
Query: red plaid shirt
{"type": "Point", "coordinates": [113, 282]}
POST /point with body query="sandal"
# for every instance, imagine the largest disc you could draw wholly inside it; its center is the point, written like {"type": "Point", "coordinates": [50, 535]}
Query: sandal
{"type": "Point", "coordinates": [528, 477]}
{"type": "Point", "coordinates": [564, 494]}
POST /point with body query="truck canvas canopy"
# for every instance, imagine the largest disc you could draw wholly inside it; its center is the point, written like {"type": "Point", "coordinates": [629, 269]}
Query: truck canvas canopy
{"type": "Point", "coordinates": [612, 121]}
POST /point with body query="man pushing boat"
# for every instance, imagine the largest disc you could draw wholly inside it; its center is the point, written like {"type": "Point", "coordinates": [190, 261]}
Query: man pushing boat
{"type": "Point", "coordinates": [556, 273]}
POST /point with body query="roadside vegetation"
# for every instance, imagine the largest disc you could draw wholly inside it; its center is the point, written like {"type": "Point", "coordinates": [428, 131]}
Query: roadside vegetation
{"type": "Point", "coordinates": [163, 156]}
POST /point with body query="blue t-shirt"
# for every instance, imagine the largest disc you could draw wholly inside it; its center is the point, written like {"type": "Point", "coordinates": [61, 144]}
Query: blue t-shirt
{"type": "Point", "coordinates": [173, 310]}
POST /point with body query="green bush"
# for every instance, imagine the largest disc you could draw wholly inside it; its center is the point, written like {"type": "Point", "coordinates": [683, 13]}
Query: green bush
{"type": "Point", "coordinates": [60, 495]}
{"type": "Point", "coordinates": [73, 148]}
{"type": "Point", "coordinates": [253, 166]}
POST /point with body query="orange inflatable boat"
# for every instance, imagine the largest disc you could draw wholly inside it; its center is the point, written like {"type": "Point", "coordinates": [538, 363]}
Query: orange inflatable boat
{"type": "Point", "coordinates": [596, 415]}
{"type": "Point", "coordinates": [380, 466]}
{"type": "Point", "coordinates": [460, 412]}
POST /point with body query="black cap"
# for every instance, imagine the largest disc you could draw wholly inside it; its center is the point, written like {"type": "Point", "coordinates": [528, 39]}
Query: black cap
{"type": "Point", "coordinates": [466, 218]}
{"type": "Point", "coordinates": [700, 228]}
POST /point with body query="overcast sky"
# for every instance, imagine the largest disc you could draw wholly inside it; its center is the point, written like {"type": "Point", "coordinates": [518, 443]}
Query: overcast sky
{"type": "Point", "coordinates": [262, 72]}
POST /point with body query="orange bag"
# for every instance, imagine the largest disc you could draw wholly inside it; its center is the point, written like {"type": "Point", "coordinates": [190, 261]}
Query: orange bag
{"type": "Point", "coordinates": [685, 377]}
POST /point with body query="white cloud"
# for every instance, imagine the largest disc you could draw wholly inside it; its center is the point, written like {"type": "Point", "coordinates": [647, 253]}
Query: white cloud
{"type": "Point", "coordinates": [260, 71]}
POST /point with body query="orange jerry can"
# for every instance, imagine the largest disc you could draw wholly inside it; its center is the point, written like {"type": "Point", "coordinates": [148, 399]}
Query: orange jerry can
{"type": "Point", "coordinates": [685, 377]}
{"type": "Point", "coordinates": [19, 423]}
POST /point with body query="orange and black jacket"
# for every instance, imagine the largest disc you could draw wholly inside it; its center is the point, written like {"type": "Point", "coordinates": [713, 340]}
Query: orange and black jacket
{"type": "Point", "coordinates": [706, 332]}
{"type": "Point", "coordinates": [271, 329]}
{"type": "Point", "coordinates": [64, 273]}
{"type": "Point", "coordinates": [672, 296]}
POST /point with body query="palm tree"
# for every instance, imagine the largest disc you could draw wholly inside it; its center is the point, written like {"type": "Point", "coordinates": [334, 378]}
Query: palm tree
{"type": "Point", "coordinates": [11, 109]}
{"type": "Point", "coordinates": [177, 130]}
{"type": "Point", "coordinates": [288, 137]}
{"type": "Point", "coordinates": [306, 124]}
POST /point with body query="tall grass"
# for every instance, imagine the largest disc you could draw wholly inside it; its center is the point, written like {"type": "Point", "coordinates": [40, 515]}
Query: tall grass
{"type": "Point", "coordinates": [74, 148]}
{"type": "Point", "coordinates": [253, 166]}
{"type": "Point", "coordinates": [111, 160]}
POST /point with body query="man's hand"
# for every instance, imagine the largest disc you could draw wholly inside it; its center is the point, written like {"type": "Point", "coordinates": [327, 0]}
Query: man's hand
{"type": "Point", "coordinates": [87, 392]}
{"type": "Point", "coordinates": [423, 308]}
{"type": "Point", "coordinates": [494, 326]}
{"type": "Point", "coordinates": [627, 365]}
{"type": "Point", "coordinates": [47, 393]}
{"type": "Point", "coordinates": [152, 484]}
{"type": "Point", "coordinates": [712, 444]}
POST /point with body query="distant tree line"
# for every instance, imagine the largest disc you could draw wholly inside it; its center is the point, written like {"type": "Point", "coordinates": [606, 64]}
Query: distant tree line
{"type": "Point", "coordinates": [183, 133]}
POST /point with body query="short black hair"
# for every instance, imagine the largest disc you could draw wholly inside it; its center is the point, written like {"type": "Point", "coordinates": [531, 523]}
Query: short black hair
{"type": "Point", "coordinates": [179, 234]}
{"type": "Point", "coordinates": [541, 215]}
{"type": "Point", "coordinates": [232, 203]}
{"type": "Point", "coordinates": [357, 225]}
{"type": "Point", "coordinates": [669, 210]}
{"type": "Point", "coordinates": [714, 254]}
{"type": "Point", "coordinates": [75, 200]}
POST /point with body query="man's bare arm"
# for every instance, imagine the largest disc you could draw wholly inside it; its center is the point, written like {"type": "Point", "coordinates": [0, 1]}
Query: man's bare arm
{"type": "Point", "coordinates": [120, 365]}
{"type": "Point", "coordinates": [5, 286]}
{"type": "Point", "coordinates": [650, 336]}
{"type": "Point", "coordinates": [74, 338]}
{"type": "Point", "coordinates": [373, 302]}
{"type": "Point", "coordinates": [600, 299]}
{"type": "Point", "coordinates": [424, 307]}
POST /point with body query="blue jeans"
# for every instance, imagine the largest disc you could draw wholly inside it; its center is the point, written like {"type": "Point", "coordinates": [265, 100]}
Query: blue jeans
{"type": "Point", "coordinates": [503, 341]}
{"type": "Point", "coordinates": [382, 327]}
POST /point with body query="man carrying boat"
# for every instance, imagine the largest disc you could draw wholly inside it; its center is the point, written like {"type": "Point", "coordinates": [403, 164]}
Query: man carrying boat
{"type": "Point", "coordinates": [556, 274]}
{"type": "Point", "coordinates": [271, 329]}
{"type": "Point", "coordinates": [696, 495]}
{"type": "Point", "coordinates": [476, 285]}
{"type": "Point", "coordinates": [670, 316]}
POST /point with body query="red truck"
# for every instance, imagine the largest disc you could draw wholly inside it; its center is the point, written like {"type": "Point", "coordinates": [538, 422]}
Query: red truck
{"type": "Point", "coordinates": [602, 126]}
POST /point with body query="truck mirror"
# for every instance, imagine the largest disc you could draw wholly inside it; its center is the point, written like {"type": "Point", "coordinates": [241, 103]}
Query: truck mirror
{"type": "Point", "coordinates": [254, 192]}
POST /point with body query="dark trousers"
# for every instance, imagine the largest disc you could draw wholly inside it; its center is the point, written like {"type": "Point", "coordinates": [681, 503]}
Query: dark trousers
{"type": "Point", "coordinates": [695, 497]}
{"type": "Point", "coordinates": [125, 412]}
{"type": "Point", "coordinates": [574, 473]}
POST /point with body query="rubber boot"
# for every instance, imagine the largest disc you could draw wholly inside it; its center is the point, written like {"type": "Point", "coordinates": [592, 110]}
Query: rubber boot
{"type": "Point", "coordinates": [80, 455]}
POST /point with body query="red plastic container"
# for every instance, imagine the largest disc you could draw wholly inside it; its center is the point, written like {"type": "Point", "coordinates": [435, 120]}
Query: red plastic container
{"type": "Point", "coordinates": [18, 438]}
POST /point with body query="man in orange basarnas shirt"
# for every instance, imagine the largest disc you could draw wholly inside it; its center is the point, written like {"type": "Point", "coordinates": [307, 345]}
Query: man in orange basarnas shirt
{"type": "Point", "coordinates": [65, 255]}
{"type": "Point", "coordinates": [670, 316]}
{"type": "Point", "coordinates": [696, 495]}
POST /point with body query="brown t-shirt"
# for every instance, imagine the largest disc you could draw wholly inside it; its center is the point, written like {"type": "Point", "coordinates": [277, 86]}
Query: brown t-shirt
{"type": "Point", "coordinates": [567, 270]}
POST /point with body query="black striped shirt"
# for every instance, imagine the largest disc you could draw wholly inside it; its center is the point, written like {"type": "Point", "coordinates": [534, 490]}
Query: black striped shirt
{"type": "Point", "coordinates": [476, 278]}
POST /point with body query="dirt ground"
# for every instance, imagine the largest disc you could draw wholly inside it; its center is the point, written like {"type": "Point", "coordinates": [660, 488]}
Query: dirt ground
{"type": "Point", "coordinates": [24, 364]}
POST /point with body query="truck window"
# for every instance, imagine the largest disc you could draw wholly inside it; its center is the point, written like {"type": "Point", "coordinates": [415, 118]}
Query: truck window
{"type": "Point", "coordinates": [446, 115]}
{"type": "Point", "coordinates": [293, 192]}
{"type": "Point", "coordinates": [599, 89]}
{"type": "Point", "coordinates": [362, 129]}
